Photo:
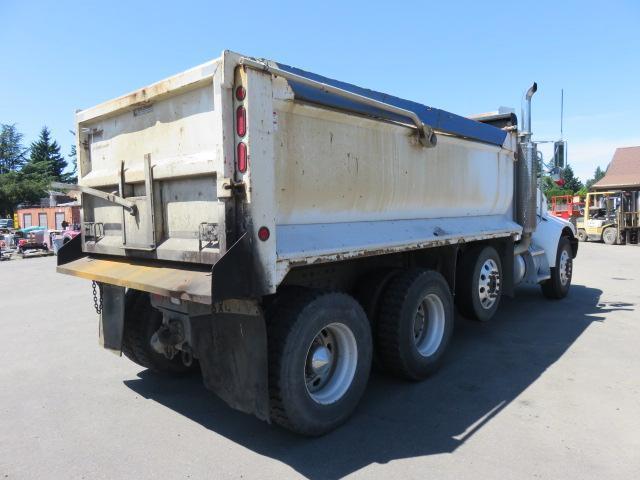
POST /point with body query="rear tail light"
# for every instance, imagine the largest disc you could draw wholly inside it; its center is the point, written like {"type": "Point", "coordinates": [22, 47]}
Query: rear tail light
{"type": "Point", "coordinates": [242, 157]}
{"type": "Point", "coordinates": [241, 121]}
{"type": "Point", "coordinates": [264, 234]}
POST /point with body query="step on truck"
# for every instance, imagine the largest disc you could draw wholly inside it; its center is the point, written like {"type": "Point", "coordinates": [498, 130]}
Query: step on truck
{"type": "Point", "coordinates": [276, 230]}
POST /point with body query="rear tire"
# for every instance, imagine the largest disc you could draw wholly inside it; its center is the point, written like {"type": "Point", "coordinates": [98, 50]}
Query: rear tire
{"type": "Point", "coordinates": [415, 323]}
{"type": "Point", "coordinates": [610, 235]}
{"type": "Point", "coordinates": [141, 321]}
{"type": "Point", "coordinates": [368, 293]}
{"type": "Point", "coordinates": [320, 352]}
{"type": "Point", "coordinates": [558, 285]}
{"type": "Point", "coordinates": [479, 283]}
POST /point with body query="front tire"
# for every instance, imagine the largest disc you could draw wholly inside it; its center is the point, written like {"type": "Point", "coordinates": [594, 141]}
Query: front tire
{"type": "Point", "coordinates": [320, 352]}
{"type": "Point", "coordinates": [415, 323]}
{"type": "Point", "coordinates": [610, 235]}
{"type": "Point", "coordinates": [558, 285]}
{"type": "Point", "coordinates": [479, 283]}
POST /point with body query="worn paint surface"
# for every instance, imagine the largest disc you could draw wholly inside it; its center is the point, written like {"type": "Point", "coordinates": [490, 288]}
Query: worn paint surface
{"type": "Point", "coordinates": [312, 170]}
{"type": "Point", "coordinates": [336, 167]}
{"type": "Point", "coordinates": [175, 121]}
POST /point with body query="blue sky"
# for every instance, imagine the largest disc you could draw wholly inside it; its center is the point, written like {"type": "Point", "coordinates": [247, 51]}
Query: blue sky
{"type": "Point", "coordinates": [465, 57]}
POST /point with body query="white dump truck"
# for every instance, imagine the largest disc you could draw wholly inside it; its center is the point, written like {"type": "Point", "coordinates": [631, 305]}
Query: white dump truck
{"type": "Point", "coordinates": [277, 230]}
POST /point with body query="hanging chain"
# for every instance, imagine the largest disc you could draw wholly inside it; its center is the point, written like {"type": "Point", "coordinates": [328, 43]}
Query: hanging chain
{"type": "Point", "coordinates": [97, 304]}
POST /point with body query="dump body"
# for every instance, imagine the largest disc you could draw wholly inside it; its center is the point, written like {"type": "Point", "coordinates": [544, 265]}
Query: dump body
{"type": "Point", "coordinates": [329, 179]}
{"type": "Point", "coordinates": [270, 223]}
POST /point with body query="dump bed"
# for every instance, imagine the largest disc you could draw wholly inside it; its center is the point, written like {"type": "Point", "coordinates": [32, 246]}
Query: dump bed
{"type": "Point", "coordinates": [285, 168]}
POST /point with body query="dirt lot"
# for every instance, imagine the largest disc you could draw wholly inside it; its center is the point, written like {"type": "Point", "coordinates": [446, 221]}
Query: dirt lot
{"type": "Point", "coordinates": [546, 390]}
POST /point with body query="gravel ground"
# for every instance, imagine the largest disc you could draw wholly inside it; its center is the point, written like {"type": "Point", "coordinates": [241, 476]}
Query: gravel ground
{"type": "Point", "coordinates": [546, 390]}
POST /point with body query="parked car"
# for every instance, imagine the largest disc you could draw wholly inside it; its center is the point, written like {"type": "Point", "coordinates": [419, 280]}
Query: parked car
{"type": "Point", "coordinates": [6, 224]}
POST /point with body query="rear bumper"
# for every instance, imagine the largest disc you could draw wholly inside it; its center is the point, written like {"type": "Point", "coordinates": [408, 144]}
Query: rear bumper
{"type": "Point", "coordinates": [181, 283]}
{"type": "Point", "coordinates": [236, 275]}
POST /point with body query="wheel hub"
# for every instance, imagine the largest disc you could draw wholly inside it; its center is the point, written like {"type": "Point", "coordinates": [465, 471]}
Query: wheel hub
{"type": "Point", "coordinates": [428, 325]}
{"type": "Point", "coordinates": [331, 363]}
{"type": "Point", "coordinates": [320, 360]}
{"type": "Point", "coordinates": [565, 267]}
{"type": "Point", "coordinates": [488, 283]}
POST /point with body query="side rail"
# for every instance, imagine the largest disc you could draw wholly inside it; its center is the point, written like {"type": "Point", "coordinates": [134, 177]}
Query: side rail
{"type": "Point", "coordinates": [426, 135]}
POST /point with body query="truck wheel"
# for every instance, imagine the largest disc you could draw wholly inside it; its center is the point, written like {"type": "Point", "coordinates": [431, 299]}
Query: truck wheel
{"type": "Point", "coordinates": [582, 235]}
{"type": "Point", "coordinates": [319, 360]}
{"type": "Point", "coordinates": [610, 235]}
{"type": "Point", "coordinates": [558, 285]}
{"type": "Point", "coordinates": [415, 322]}
{"type": "Point", "coordinates": [479, 283]}
{"type": "Point", "coordinates": [141, 321]}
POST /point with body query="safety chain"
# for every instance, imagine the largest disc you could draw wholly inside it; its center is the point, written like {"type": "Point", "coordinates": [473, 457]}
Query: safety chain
{"type": "Point", "coordinates": [97, 305]}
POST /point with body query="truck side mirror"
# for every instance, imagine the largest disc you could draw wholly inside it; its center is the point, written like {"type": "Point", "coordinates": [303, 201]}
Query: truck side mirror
{"type": "Point", "coordinates": [560, 154]}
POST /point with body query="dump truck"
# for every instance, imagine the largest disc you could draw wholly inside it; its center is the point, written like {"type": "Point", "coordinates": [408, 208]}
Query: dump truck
{"type": "Point", "coordinates": [277, 230]}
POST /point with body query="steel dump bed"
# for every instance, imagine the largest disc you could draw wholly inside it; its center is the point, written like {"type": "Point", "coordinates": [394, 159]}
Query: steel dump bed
{"type": "Point", "coordinates": [327, 175]}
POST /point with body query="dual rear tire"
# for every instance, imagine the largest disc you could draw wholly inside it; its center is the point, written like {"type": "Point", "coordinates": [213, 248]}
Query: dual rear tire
{"type": "Point", "coordinates": [415, 323]}
{"type": "Point", "coordinates": [321, 347]}
{"type": "Point", "coordinates": [320, 353]}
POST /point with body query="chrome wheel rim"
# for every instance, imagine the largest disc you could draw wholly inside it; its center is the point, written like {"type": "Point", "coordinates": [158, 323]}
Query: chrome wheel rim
{"type": "Point", "coordinates": [330, 365]}
{"type": "Point", "coordinates": [565, 267]}
{"type": "Point", "coordinates": [428, 325]}
{"type": "Point", "coordinates": [488, 283]}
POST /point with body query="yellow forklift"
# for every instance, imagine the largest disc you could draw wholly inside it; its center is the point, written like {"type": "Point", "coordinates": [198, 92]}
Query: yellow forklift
{"type": "Point", "coordinates": [611, 217]}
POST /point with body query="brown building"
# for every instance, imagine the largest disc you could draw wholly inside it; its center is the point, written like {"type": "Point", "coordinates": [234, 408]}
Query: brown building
{"type": "Point", "coordinates": [623, 171]}
{"type": "Point", "coordinates": [50, 217]}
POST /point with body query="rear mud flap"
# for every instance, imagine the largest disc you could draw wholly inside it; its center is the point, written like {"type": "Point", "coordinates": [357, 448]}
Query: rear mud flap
{"type": "Point", "coordinates": [112, 318]}
{"type": "Point", "coordinates": [232, 351]}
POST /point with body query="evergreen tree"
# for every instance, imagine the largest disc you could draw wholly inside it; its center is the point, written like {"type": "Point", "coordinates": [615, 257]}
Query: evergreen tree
{"type": "Point", "coordinates": [12, 152]}
{"type": "Point", "coordinates": [597, 175]}
{"type": "Point", "coordinates": [46, 157]}
{"type": "Point", "coordinates": [552, 189]}
{"type": "Point", "coordinates": [572, 185]}
{"type": "Point", "coordinates": [571, 182]}
{"type": "Point", "coordinates": [72, 176]}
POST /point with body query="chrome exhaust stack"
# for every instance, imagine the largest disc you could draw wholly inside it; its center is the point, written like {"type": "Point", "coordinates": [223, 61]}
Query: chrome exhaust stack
{"type": "Point", "coordinates": [526, 177]}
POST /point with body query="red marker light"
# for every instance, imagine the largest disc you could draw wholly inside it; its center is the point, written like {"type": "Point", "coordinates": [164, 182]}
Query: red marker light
{"type": "Point", "coordinates": [264, 234]}
{"type": "Point", "coordinates": [241, 93]}
{"type": "Point", "coordinates": [241, 121]}
{"type": "Point", "coordinates": [242, 157]}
